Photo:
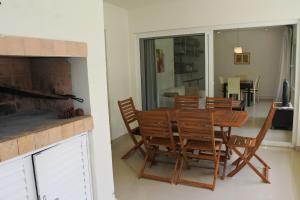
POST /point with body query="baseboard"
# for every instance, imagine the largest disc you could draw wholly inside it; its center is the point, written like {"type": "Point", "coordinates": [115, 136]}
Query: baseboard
{"type": "Point", "coordinates": [266, 98]}
{"type": "Point", "coordinates": [278, 144]}
{"type": "Point", "coordinates": [118, 138]}
{"type": "Point", "coordinates": [114, 196]}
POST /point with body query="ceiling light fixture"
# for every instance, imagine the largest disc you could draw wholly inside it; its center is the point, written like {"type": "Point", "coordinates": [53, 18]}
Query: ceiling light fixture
{"type": "Point", "coordinates": [238, 48]}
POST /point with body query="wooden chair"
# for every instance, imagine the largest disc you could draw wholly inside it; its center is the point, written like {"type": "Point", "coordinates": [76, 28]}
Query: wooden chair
{"type": "Point", "coordinates": [214, 104]}
{"type": "Point", "coordinates": [128, 113]}
{"type": "Point", "coordinates": [250, 146]}
{"type": "Point", "coordinates": [187, 102]}
{"type": "Point", "coordinates": [196, 132]}
{"type": "Point", "coordinates": [158, 139]}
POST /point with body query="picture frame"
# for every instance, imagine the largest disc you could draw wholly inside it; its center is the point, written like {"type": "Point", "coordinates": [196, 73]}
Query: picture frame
{"type": "Point", "coordinates": [160, 60]}
{"type": "Point", "coordinates": [242, 58]}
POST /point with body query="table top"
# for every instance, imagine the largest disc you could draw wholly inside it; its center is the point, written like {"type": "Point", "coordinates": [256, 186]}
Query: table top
{"type": "Point", "coordinates": [223, 118]}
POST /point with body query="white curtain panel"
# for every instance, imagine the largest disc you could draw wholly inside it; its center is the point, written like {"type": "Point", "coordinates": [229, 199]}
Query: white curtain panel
{"type": "Point", "coordinates": [284, 60]}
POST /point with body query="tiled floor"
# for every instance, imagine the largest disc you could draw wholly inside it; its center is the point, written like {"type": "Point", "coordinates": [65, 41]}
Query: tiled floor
{"type": "Point", "coordinates": [284, 177]}
{"type": "Point", "coordinates": [257, 116]}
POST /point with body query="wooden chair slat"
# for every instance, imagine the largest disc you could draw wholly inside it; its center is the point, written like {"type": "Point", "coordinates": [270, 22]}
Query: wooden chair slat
{"type": "Point", "coordinates": [187, 102]}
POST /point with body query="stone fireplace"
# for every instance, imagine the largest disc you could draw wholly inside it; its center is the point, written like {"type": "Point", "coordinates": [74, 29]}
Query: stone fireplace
{"type": "Point", "coordinates": [37, 84]}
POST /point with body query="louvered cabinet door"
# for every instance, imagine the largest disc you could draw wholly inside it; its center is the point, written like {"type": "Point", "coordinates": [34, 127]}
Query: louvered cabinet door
{"type": "Point", "coordinates": [17, 180]}
{"type": "Point", "coordinates": [62, 172]}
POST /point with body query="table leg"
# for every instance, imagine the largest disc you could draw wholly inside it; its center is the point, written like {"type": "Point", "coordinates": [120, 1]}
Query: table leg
{"type": "Point", "coordinates": [248, 97]}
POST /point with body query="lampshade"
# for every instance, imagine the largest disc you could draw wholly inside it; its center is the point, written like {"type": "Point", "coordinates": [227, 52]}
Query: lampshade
{"type": "Point", "coordinates": [238, 50]}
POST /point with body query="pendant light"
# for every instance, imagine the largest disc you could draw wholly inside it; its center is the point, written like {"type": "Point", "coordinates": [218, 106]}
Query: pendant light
{"type": "Point", "coordinates": [238, 48]}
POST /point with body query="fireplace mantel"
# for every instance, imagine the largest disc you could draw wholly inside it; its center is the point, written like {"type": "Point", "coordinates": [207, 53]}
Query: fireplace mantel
{"type": "Point", "coordinates": [37, 47]}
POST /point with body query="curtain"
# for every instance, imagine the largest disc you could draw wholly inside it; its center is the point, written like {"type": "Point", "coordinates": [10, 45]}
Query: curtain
{"type": "Point", "coordinates": [148, 74]}
{"type": "Point", "coordinates": [285, 60]}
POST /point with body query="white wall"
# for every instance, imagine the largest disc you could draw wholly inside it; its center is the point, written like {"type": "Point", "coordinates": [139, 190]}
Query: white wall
{"type": "Point", "coordinates": [172, 14]}
{"type": "Point", "coordinates": [165, 80]}
{"type": "Point", "coordinates": [265, 51]}
{"type": "Point", "coordinates": [80, 21]}
{"type": "Point", "coordinates": [117, 48]}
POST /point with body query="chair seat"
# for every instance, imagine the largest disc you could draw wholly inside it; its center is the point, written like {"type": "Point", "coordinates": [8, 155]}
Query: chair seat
{"type": "Point", "coordinates": [163, 141]}
{"type": "Point", "coordinates": [239, 141]}
{"type": "Point", "coordinates": [201, 145]}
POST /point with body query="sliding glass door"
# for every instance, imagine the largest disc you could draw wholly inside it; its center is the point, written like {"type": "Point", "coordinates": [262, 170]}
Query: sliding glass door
{"type": "Point", "coordinates": [172, 66]}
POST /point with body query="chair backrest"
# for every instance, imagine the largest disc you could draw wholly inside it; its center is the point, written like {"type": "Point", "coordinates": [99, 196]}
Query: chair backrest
{"type": "Point", "coordinates": [214, 103]}
{"type": "Point", "coordinates": [267, 124]}
{"type": "Point", "coordinates": [187, 102]}
{"type": "Point", "coordinates": [233, 86]}
{"type": "Point", "coordinates": [256, 83]}
{"type": "Point", "coordinates": [221, 79]}
{"type": "Point", "coordinates": [196, 125]}
{"type": "Point", "coordinates": [128, 112]}
{"type": "Point", "coordinates": [155, 124]}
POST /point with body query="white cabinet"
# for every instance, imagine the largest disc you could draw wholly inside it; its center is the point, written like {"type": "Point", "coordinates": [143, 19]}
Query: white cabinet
{"type": "Point", "coordinates": [17, 180]}
{"type": "Point", "coordinates": [62, 172]}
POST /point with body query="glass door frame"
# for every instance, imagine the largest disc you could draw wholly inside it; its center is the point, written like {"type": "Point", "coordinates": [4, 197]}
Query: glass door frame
{"type": "Point", "coordinates": [173, 33]}
{"type": "Point", "coordinates": [296, 125]}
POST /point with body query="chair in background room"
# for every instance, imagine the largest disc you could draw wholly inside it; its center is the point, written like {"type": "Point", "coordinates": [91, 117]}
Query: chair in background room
{"type": "Point", "coordinates": [158, 139]}
{"type": "Point", "coordinates": [187, 102]}
{"type": "Point", "coordinates": [254, 90]}
{"type": "Point", "coordinates": [250, 146]}
{"type": "Point", "coordinates": [128, 113]}
{"type": "Point", "coordinates": [233, 87]}
{"type": "Point", "coordinates": [215, 104]}
{"type": "Point", "coordinates": [196, 132]}
{"type": "Point", "coordinates": [221, 81]}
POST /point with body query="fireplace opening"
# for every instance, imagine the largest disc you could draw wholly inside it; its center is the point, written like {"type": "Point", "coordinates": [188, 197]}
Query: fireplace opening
{"type": "Point", "coordinates": [35, 92]}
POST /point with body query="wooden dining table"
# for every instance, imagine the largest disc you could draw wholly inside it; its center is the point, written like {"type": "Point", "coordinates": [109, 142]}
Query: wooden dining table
{"type": "Point", "coordinates": [222, 118]}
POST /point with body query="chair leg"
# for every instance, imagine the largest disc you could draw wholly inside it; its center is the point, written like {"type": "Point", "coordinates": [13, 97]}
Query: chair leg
{"type": "Point", "coordinates": [217, 163]}
{"type": "Point", "coordinates": [236, 161]}
{"type": "Point", "coordinates": [181, 162]}
{"type": "Point", "coordinates": [261, 161]}
{"type": "Point", "coordinates": [246, 161]}
{"type": "Point", "coordinates": [228, 137]}
{"type": "Point", "coordinates": [175, 171]}
{"type": "Point", "coordinates": [141, 173]}
{"type": "Point", "coordinates": [153, 156]}
{"type": "Point", "coordinates": [225, 163]}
